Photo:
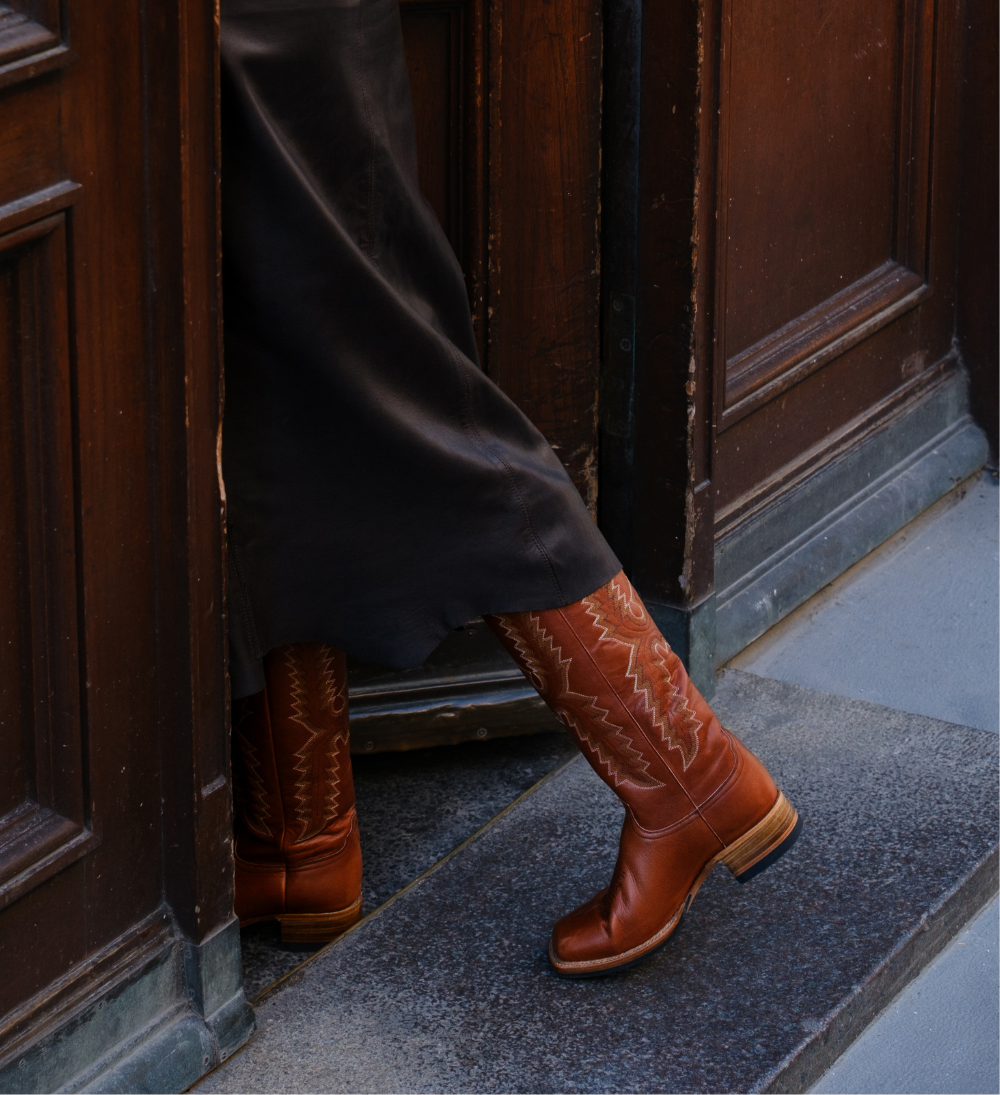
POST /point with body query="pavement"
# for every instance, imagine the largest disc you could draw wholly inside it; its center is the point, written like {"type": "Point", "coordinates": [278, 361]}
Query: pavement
{"type": "Point", "coordinates": [886, 683]}
{"type": "Point", "coordinates": [914, 626]}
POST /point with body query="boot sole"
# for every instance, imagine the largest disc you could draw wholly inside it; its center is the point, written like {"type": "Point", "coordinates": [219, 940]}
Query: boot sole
{"type": "Point", "coordinates": [311, 927]}
{"type": "Point", "coordinates": [746, 858]}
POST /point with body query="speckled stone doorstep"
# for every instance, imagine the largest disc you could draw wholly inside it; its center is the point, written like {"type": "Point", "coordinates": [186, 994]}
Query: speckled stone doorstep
{"type": "Point", "coordinates": [448, 989]}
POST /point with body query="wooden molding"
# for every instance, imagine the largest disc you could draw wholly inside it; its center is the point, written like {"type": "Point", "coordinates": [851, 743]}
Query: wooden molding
{"type": "Point", "coordinates": [38, 204]}
{"type": "Point", "coordinates": [748, 507]}
{"type": "Point", "coordinates": [30, 44]}
{"type": "Point", "coordinates": [791, 353]}
{"type": "Point", "coordinates": [35, 844]}
{"type": "Point", "coordinates": [45, 825]}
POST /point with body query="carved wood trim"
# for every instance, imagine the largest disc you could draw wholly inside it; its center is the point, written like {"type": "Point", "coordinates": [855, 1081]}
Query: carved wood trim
{"type": "Point", "coordinates": [41, 695]}
{"type": "Point", "coordinates": [791, 353]}
{"type": "Point", "coordinates": [30, 43]}
{"type": "Point", "coordinates": [35, 844]}
{"type": "Point", "coordinates": [40, 203]}
{"type": "Point", "coordinates": [749, 506]}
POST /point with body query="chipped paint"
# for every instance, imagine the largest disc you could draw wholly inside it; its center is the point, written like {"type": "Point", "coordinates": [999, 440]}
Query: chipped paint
{"type": "Point", "coordinates": [218, 462]}
{"type": "Point", "coordinates": [684, 579]}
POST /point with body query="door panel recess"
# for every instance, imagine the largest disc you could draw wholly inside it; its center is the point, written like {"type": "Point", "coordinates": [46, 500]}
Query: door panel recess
{"type": "Point", "coordinates": [840, 409]}
{"type": "Point", "coordinates": [43, 813]}
{"type": "Point", "coordinates": [824, 185]}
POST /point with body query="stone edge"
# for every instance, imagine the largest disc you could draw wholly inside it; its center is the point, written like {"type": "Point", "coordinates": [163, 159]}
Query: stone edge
{"type": "Point", "coordinates": [804, 1066]}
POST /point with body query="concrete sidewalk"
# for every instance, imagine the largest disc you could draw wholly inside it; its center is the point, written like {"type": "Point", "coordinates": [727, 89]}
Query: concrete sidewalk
{"type": "Point", "coordinates": [914, 626]}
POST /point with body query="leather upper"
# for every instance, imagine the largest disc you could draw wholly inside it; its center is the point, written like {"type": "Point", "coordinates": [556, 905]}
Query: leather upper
{"type": "Point", "coordinates": [690, 787]}
{"type": "Point", "coordinates": [297, 843]}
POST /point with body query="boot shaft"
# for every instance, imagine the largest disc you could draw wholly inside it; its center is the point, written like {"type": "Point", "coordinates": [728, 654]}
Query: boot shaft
{"type": "Point", "coordinates": [293, 786]}
{"type": "Point", "coordinates": [603, 667]}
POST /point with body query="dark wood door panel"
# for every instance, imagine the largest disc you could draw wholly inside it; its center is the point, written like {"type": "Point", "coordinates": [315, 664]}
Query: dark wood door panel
{"type": "Point", "coordinates": [31, 39]}
{"type": "Point", "coordinates": [824, 177]}
{"type": "Point", "coordinates": [46, 827]}
{"type": "Point", "coordinates": [115, 804]}
{"type": "Point", "coordinates": [115, 829]}
{"type": "Point", "coordinates": [433, 33]}
{"type": "Point", "coordinates": [757, 454]}
{"type": "Point", "coordinates": [27, 164]}
{"type": "Point", "coordinates": [788, 355]}
{"type": "Point", "coordinates": [544, 281]}
{"type": "Point", "coordinates": [43, 815]}
{"type": "Point", "coordinates": [77, 704]}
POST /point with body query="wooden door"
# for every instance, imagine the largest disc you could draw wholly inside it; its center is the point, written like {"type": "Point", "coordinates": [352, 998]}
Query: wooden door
{"type": "Point", "coordinates": [119, 951]}
{"type": "Point", "coordinates": [784, 218]}
{"type": "Point", "coordinates": [834, 307]}
{"type": "Point", "coordinates": [507, 104]}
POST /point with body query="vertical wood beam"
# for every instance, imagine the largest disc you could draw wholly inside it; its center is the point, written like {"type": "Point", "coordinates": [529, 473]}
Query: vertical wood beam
{"type": "Point", "coordinates": [656, 431]}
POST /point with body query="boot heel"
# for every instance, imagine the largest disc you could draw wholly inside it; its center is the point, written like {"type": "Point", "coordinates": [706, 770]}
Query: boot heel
{"type": "Point", "coordinates": [318, 927]}
{"type": "Point", "coordinates": [766, 842]}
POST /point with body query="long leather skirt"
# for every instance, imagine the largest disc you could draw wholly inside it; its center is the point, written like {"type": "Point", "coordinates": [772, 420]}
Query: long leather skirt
{"type": "Point", "coordinates": [381, 489]}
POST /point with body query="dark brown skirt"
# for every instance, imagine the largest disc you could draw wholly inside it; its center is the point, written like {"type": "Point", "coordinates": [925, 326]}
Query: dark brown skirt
{"type": "Point", "coordinates": [381, 489]}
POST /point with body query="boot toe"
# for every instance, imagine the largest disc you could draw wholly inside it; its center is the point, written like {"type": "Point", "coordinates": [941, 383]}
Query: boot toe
{"type": "Point", "coordinates": [582, 935]}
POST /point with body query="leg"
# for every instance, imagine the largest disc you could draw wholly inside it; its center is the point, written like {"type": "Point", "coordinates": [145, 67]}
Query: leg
{"type": "Point", "coordinates": [298, 856]}
{"type": "Point", "coordinates": [694, 795]}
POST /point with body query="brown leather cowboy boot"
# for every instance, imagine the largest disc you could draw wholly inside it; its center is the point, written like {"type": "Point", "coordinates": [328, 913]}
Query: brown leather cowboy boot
{"type": "Point", "coordinates": [298, 856]}
{"type": "Point", "coordinates": [694, 795]}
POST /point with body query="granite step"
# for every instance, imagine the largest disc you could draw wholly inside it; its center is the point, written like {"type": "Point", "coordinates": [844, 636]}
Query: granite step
{"type": "Point", "coordinates": [446, 987]}
{"type": "Point", "coordinates": [414, 808]}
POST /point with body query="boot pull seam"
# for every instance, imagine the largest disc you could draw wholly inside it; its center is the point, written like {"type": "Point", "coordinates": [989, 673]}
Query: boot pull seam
{"type": "Point", "coordinates": [734, 772]}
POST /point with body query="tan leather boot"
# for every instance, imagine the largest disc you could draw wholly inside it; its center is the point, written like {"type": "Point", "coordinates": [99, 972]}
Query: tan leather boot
{"type": "Point", "coordinates": [694, 795]}
{"type": "Point", "coordinates": [298, 855]}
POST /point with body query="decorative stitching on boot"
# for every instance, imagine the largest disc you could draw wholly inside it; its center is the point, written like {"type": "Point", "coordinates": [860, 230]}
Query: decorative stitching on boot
{"type": "Point", "coordinates": [625, 620]}
{"type": "Point", "coordinates": [613, 750]}
{"type": "Point", "coordinates": [313, 707]}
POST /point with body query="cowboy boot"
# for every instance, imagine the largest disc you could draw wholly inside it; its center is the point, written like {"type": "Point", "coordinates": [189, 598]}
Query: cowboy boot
{"type": "Point", "coordinates": [694, 795]}
{"type": "Point", "coordinates": [298, 855]}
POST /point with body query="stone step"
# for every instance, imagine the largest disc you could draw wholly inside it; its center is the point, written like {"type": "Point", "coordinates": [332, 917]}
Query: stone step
{"type": "Point", "coordinates": [447, 986]}
{"type": "Point", "coordinates": [414, 808]}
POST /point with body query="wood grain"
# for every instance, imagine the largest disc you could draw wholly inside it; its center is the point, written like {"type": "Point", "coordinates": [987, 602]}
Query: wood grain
{"type": "Point", "coordinates": [835, 253]}
{"type": "Point", "coordinates": [111, 545]}
{"type": "Point", "coordinates": [544, 231]}
{"type": "Point", "coordinates": [513, 173]}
